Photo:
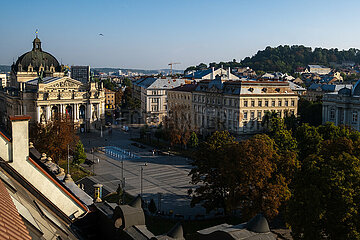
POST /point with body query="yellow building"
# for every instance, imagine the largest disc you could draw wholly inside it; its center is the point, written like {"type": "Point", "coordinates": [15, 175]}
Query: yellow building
{"type": "Point", "coordinates": [109, 99]}
{"type": "Point", "coordinates": [239, 106]}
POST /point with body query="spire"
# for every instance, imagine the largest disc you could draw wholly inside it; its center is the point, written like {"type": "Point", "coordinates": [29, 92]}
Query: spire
{"type": "Point", "coordinates": [36, 42]}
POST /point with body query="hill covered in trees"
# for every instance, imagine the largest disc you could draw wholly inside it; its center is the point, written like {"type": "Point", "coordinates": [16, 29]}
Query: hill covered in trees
{"type": "Point", "coordinates": [289, 58]}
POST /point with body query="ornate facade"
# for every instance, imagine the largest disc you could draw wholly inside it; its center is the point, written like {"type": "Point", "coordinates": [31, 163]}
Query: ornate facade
{"type": "Point", "coordinates": [42, 90]}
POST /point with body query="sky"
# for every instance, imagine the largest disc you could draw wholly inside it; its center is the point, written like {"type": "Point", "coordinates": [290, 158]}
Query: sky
{"type": "Point", "coordinates": [149, 34]}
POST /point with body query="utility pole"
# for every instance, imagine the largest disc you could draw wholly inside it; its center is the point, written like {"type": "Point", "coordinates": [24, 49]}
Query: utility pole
{"type": "Point", "coordinates": [68, 165]}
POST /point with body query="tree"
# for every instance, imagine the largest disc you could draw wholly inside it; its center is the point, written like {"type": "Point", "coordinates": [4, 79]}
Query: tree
{"type": "Point", "coordinates": [158, 134]}
{"type": "Point", "coordinates": [326, 198]}
{"type": "Point", "coordinates": [152, 206]}
{"type": "Point", "coordinates": [79, 153]}
{"type": "Point", "coordinates": [234, 175]}
{"type": "Point", "coordinates": [54, 137]}
{"type": "Point", "coordinates": [206, 172]}
{"type": "Point", "coordinates": [310, 112]}
{"type": "Point", "coordinates": [194, 141]}
{"type": "Point", "coordinates": [178, 125]}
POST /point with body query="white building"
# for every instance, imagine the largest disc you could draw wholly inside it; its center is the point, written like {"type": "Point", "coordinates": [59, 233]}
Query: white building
{"type": "Point", "coordinates": [343, 107]}
{"type": "Point", "coordinates": [3, 80]}
{"type": "Point", "coordinates": [152, 93]}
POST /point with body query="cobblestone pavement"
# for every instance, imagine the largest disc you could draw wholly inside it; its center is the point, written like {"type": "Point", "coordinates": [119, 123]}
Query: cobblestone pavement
{"type": "Point", "coordinates": [165, 178]}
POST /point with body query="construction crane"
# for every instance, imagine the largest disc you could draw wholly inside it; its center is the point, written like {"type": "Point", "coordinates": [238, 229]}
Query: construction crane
{"type": "Point", "coordinates": [171, 66]}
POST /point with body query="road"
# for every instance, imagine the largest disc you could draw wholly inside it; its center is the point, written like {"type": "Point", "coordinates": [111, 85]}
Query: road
{"type": "Point", "coordinates": [166, 176]}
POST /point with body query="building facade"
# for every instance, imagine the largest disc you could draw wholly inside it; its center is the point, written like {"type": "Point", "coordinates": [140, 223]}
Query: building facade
{"type": "Point", "coordinates": [80, 73]}
{"type": "Point", "coordinates": [152, 93]}
{"type": "Point", "coordinates": [180, 101]}
{"type": "Point", "coordinates": [3, 80]}
{"type": "Point", "coordinates": [46, 91]}
{"type": "Point", "coordinates": [240, 106]}
{"type": "Point", "coordinates": [342, 107]}
{"type": "Point", "coordinates": [109, 99]}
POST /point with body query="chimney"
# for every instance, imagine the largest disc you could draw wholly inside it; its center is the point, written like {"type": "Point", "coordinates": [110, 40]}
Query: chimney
{"type": "Point", "coordinates": [19, 138]}
{"type": "Point", "coordinates": [212, 73]}
{"type": "Point", "coordinates": [229, 71]}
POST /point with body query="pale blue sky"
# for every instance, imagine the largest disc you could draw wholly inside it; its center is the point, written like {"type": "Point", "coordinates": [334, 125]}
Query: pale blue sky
{"type": "Point", "coordinates": [148, 34]}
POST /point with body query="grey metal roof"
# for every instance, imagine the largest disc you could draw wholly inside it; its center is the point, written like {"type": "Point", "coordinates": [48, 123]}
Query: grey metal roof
{"type": "Point", "coordinates": [159, 83]}
{"type": "Point", "coordinates": [199, 74]}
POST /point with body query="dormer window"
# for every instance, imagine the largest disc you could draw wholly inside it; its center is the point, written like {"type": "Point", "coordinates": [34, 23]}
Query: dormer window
{"type": "Point", "coordinates": [264, 90]}
{"type": "Point", "coordinates": [251, 89]}
{"type": "Point", "coordinates": [30, 68]}
{"type": "Point", "coordinates": [41, 68]}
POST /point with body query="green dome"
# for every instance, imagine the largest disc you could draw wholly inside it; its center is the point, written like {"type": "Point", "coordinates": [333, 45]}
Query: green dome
{"type": "Point", "coordinates": [36, 57]}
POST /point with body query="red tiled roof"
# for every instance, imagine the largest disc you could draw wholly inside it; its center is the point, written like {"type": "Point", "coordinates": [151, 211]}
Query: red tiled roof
{"type": "Point", "coordinates": [11, 223]}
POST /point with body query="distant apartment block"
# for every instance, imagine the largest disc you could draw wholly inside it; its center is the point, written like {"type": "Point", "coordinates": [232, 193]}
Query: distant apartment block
{"type": "Point", "coordinates": [80, 73]}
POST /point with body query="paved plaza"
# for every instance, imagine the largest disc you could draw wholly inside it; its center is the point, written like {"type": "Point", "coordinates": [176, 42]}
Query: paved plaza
{"type": "Point", "coordinates": [165, 178]}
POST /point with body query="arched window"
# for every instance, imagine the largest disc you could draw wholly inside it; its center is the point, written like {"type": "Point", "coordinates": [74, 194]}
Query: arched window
{"type": "Point", "coordinates": [82, 112]}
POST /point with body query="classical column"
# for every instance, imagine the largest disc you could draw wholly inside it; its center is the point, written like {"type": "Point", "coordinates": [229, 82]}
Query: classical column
{"type": "Point", "coordinates": [38, 113]}
{"type": "Point", "coordinates": [98, 110]}
{"type": "Point", "coordinates": [48, 113]}
{"type": "Point", "coordinates": [89, 111]}
{"type": "Point", "coordinates": [76, 112]}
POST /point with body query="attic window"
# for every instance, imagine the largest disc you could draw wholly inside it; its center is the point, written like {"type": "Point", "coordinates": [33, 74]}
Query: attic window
{"type": "Point", "coordinates": [251, 89]}
{"type": "Point", "coordinates": [277, 89]}
{"type": "Point", "coordinates": [264, 89]}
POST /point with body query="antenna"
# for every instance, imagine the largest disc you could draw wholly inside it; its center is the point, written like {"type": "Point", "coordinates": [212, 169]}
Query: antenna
{"type": "Point", "coordinates": [171, 66]}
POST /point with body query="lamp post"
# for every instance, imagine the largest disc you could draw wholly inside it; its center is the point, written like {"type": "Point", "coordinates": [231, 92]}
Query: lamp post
{"type": "Point", "coordinates": [141, 178]}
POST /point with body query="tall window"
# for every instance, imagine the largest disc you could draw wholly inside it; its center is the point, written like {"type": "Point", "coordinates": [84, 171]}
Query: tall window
{"type": "Point", "coordinates": [273, 103]}
{"type": "Point", "coordinates": [252, 115]}
{"type": "Point", "coordinates": [253, 103]}
{"type": "Point", "coordinates": [245, 103]}
{"type": "Point", "coordinates": [286, 103]}
{"type": "Point", "coordinates": [266, 103]}
{"type": "Point", "coordinates": [354, 116]}
{"type": "Point", "coordinates": [259, 103]}
{"type": "Point", "coordinates": [259, 115]}
{"type": "Point", "coordinates": [245, 114]}
{"type": "Point", "coordinates": [332, 114]}
{"type": "Point", "coordinates": [292, 103]}
{"type": "Point", "coordinates": [280, 103]}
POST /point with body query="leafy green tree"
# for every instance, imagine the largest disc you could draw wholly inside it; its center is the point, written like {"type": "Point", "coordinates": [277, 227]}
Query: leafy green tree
{"type": "Point", "coordinates": [310, 112]}
{"type": "Point", "coordinates": [152, 206]}
{"type": "Point", "coordinates": [79, 153]}
{"type": "Point", "coordinates": [326, 200]}
{"type": "Point", "coordinates": [194, 141]}
{"type": "Point", "coordinates": [243, 175]}
{"type": "Point", "coordinates": [309, 140]}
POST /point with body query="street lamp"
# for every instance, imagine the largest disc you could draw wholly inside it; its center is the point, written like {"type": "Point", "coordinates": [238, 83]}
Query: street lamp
{"type": "Point", "coordinates": [141, 178]}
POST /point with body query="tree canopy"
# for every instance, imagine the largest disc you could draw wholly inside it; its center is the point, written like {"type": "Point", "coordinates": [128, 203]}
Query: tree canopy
{"type": "Point", "coordinates": [287, 59]}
